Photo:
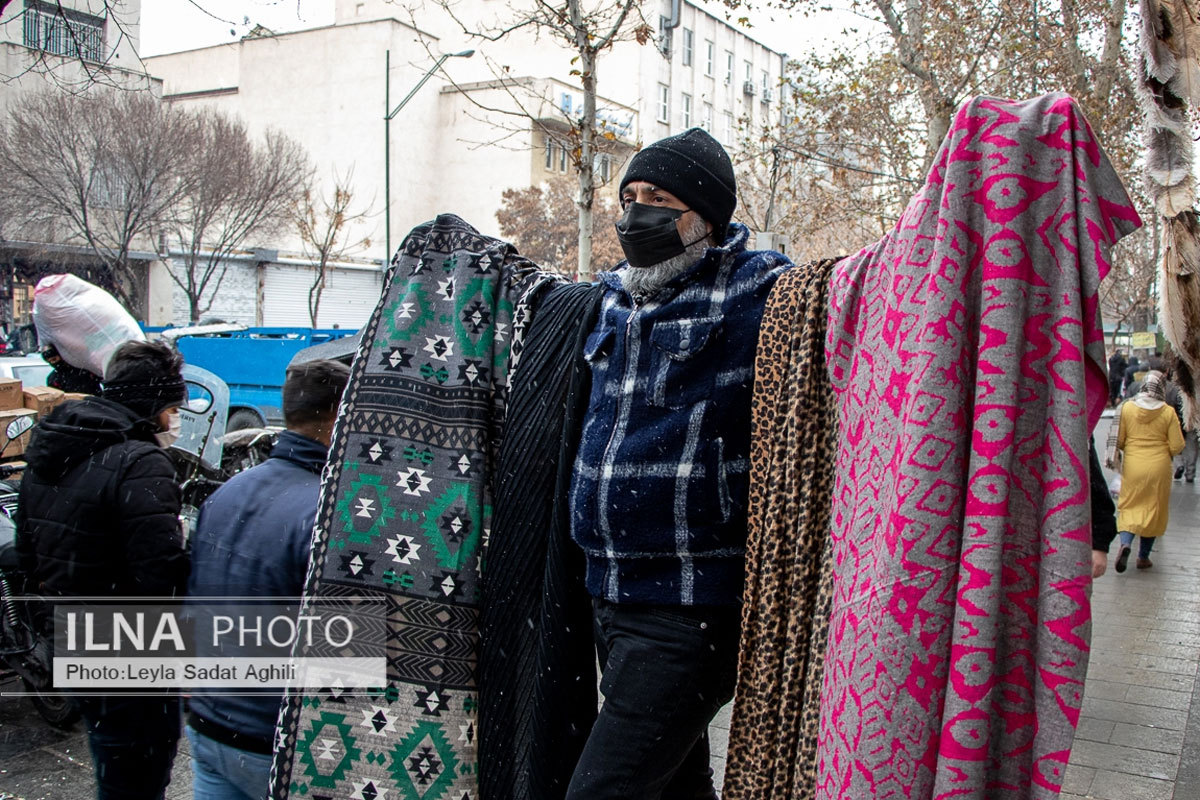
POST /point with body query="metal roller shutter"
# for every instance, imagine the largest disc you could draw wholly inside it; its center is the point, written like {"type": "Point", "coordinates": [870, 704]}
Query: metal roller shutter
{"type": "Point", "coordinates": [349, 298]}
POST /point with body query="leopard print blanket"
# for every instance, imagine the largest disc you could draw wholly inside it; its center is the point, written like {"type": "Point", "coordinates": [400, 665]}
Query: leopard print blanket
{"type": "Point", "coordinates": [785, 619]}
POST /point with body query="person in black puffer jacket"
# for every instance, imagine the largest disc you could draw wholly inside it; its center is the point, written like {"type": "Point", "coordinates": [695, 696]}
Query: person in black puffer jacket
{"type": "Point", "coordinates": [98, 516]}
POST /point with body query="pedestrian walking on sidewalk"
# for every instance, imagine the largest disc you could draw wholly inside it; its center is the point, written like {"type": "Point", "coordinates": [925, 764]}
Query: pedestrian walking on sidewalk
{"type": "Point", "coordinates": [1116, 375]}
{"type": "Point", "coordinates": [1185, 462]}
{"type": "Point", "coordinates": [1149, 438]}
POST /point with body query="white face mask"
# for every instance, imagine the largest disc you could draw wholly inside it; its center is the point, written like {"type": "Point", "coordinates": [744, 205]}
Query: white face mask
{"type": "Point", "coordinates": [171, 434]}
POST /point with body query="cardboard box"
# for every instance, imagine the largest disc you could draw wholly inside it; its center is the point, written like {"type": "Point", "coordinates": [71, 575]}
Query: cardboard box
{"type": "Point", "coordinates": [42, 399]}
{"type": "Point", "coordinates": [16, 447]}
{"type": "Point", "coordinates": [11, 395]}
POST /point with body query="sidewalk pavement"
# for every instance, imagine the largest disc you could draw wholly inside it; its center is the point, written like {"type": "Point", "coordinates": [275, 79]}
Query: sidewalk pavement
{"type": "Point", "coordinates": [1139, 732]}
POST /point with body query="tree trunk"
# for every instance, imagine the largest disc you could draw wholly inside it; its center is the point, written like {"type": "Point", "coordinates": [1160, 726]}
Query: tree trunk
{"type": "Point", "coordinates": [939, 113]}
{"type": "Point", "coordinates": [1106, 72]}
{"type": "Point", "coordinates": [587, 141]}
{"type": "Point", "coordinates": [126, 287]}
{"type": "Point", "coordinates": [1079, 78]}
{"type": "Point", "coordinates": [314, 295]}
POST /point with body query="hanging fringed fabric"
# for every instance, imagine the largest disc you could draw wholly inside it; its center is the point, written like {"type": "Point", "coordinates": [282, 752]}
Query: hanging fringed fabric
{"type": "Point", "coordinates": [1169, 68]}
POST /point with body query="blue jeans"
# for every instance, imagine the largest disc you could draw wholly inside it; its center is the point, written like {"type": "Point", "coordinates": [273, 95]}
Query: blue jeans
{"type": "Point", "coordinates": [667, 672]}
{"type": "Point", "coordinates": [1145, 543]}
{"type": "Point", "coordinates": [222, 772]}
{"type": "Point", "coordinates": [133, 741]}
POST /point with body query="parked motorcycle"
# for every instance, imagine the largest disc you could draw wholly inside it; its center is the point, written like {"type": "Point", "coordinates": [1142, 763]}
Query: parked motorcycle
{"type": "Point", "coordinates": [25, 650]}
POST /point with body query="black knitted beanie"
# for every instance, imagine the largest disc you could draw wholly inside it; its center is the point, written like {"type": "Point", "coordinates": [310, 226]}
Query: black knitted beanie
{"type": "Point", "coordinates": [694, 167]}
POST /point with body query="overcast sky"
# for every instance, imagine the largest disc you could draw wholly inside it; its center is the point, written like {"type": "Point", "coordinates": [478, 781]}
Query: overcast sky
{"type": "Point", "coordinates": [172, 25]}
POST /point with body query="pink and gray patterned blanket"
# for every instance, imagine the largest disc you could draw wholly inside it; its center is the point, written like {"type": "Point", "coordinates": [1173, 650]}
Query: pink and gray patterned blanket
{"type": "Point", "coordinates": [966, 356]}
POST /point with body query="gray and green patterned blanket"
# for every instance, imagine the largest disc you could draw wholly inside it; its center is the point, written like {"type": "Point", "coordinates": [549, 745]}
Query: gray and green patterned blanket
{"type": "Point", "coordinates": [403, 519]}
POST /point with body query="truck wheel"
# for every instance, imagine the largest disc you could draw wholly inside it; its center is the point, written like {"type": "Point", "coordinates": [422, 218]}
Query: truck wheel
{"type": "Point", "coordinates": [241, 419]}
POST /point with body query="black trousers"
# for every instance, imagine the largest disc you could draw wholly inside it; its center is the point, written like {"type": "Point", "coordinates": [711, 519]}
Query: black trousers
{"type": "Point", "coordinates": [133, 741]}
{"type": "Point", "coordinates": [667, 671]}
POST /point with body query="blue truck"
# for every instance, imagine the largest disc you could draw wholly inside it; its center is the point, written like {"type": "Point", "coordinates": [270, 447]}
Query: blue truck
{"type": "Point", "coordinates": [252, 361]}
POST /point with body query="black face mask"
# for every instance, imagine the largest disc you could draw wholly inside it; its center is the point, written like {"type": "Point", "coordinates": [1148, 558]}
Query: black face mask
{"type": "Point", "coordinates": [648, 234]}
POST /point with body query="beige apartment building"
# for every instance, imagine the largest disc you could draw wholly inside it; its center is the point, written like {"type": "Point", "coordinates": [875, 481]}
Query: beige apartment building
{"type": "Point", "coordinates": [480, 125]}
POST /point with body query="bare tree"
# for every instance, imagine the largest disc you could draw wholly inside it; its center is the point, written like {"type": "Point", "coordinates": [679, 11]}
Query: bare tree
{"type": "Point", "coordinates": [586, 29]}
{"type": "Point", "coordinates": [947, 51]}
{"type": "Point", "coordinates": [1129, 297]}
{"type": "Point", "coordinates": [323, 222]}
{"type": "Point", "coordinates": [864, 122]}
{"type": "Point", "coordinates": [98, 170]}
{"type": "Point", "coordinates": [235, 189]}
{"type": "Point", "coordinates": [539, 222]}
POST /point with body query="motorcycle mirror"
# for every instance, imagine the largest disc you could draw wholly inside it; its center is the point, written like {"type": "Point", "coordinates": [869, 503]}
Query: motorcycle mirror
{"type": "Point", "coordinates": [200, 399]}
{"type": "Point", "coordinates": [18, 426]}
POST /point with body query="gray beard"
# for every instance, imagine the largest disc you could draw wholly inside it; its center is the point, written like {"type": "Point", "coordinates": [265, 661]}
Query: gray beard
{"type": "Point", "coordinates": [647, 280]}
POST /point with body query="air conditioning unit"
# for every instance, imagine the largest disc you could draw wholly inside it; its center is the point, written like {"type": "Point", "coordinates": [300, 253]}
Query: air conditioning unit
{"type": "Point", "coordinates": [749, 88]}
{"type": "Point", "coordinates": [766, 95]}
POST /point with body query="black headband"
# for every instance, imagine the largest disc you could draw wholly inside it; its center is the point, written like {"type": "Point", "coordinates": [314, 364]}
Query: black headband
{"type": "Point", "coordinates": [147, 398]}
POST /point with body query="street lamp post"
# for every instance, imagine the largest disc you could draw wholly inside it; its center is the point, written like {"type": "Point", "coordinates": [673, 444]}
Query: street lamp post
{"type": "Point", "coordinates": [390, 112]}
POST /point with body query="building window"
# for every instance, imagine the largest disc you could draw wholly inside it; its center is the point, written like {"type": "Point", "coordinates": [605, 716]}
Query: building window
{"type": "Point", "coordinates": [687, 47]}
{"type": "Point", "coordinates": [766, 81]}
{"type": "Point", "coordinates": [664, 36]}
{"type": "Point", "coordinates": [728, 67]}
{"type": "Point", "coordinates": [602, 167]}
{"type": "Point", "coordinates": [707, 119]}
{"type": "Point", "coordinates": [750, 72]}
{"type": "Point", "coordinates": [710, 57]}
{"type": "Point", "coordinates": [664, 103]}
{"type": "Point", "coordinates": [728, 137]}
{"type": "Point", "coordinates": [108, 189]}
{"type": "Point", "coordinates": [686, 110]}
{"type": "Point", "coordinates": [562, 159]}
{"type": "Point", "coordinates": [63, 31]}
{"type": "Point", "coordinates": [549, 154]}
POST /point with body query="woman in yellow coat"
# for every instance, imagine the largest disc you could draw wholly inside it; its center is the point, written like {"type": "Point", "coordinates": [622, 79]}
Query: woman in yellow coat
{"type": "Point", "coordinates": [1149, 437]}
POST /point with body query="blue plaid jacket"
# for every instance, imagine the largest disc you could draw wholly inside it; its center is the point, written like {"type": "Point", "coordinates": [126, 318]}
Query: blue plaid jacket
{"type": "Point", "coordinates": [661, 479]}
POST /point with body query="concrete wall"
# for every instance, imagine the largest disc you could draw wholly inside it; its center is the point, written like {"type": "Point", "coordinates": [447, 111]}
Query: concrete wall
{"type": "Point", "coordinates": [452, 149]}
{"type": "Point", "coordinates": [160, 294]}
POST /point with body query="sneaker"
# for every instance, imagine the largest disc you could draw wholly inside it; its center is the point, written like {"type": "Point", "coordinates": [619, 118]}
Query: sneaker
{"type": "Point", "coordinates": [1144, 563]}
{"type": "Point", "coordinates": [1178, 473]}
{"type": "Point", "coordinates": [1190, 480]}
{"type": "Point", "coordinates": [1123, 559]}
